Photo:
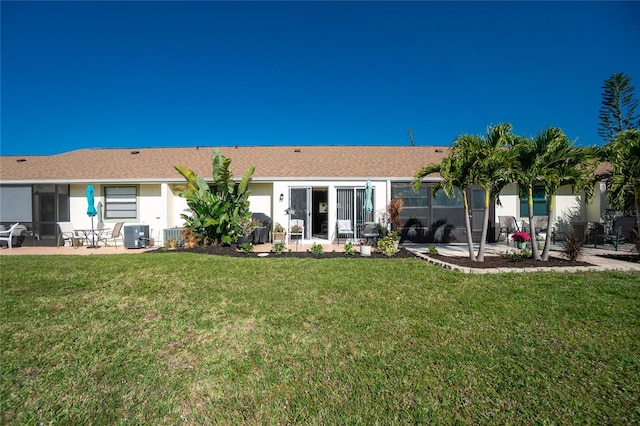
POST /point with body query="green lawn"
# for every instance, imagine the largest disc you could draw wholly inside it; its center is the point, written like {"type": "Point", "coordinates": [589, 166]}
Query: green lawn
{"type": "Point", "coordinates": [193, 339]}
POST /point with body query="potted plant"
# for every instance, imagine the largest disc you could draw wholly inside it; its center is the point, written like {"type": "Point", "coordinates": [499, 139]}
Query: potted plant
{"type": "Point", "coordinates": [365, 248]}
{"type": "Point", "coordinates": [246, 226]}
{"type": "Point", "coordinates": [278, 233]}
{"type": "Point", "coordinates": [521, 239]}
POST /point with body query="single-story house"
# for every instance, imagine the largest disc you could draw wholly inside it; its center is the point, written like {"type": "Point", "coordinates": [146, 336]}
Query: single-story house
{"type": "Point", "coordinates": [320, 183]}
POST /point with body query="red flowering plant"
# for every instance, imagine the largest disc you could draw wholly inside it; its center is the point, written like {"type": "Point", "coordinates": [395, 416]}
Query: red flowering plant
{"type": "Point", "coordinates": [521, 237]}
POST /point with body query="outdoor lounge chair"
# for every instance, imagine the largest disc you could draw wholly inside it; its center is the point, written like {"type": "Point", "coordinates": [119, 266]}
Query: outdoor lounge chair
{"type": "Point", "coordinates": [343, 227]}
{"type": "Point", "coordinates": [68, 233]}
{"type": "Point", "coordinates": [7, 235]}
{"type": "Point", "coordinates": [508, 226]}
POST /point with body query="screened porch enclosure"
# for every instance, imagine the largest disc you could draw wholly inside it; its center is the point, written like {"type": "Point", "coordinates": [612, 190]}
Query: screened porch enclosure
{"type": "Point", "coordinates": [440, 219]}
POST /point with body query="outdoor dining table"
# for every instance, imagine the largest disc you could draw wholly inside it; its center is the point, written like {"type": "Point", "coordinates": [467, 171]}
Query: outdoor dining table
{"type": "Point", "coordinates": [92, 236]}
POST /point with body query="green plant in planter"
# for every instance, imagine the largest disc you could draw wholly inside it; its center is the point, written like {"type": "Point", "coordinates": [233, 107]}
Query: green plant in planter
{"type": "Point", "coordinates": [317, 249]}
{"type": "Point", "coordinates": [348, 249]}
{"type": "Point", "coordinates": [278, 228]}
{"type": "Point", "coordinates": [389, 244]}
{"type": "Point", "coordinates": [246, 226]}
{"type": "Point", "coordinates": [296, 229]}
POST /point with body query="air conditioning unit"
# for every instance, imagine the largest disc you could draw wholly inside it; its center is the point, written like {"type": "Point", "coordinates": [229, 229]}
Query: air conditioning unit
{"type": "Point", "coordinates": [136, 235]}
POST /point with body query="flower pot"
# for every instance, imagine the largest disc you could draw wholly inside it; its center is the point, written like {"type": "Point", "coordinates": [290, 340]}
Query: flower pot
{"type": "Point", "coordinates": [365, 251]}
{"type": "Point", "coordinates": [521, 245]}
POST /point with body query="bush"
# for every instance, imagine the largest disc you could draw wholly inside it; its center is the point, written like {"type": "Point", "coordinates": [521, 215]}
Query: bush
{"type": "Point", "coordinates": [433, 249]}
{"type": "Point", "coordinates": [389, 244]}
{"type": "Point", "coordinates": [278, 248]}
{"type": "Point", "coordinates": [348, 249]}
{"type": "Point", "coordinates": [246, 247]}
{"type": "Point", "coordinates": [316, 249]}
{"type": "Point", "coordinates": [516, 255]}
{"type": "Point", "coordinates": [573, 246]}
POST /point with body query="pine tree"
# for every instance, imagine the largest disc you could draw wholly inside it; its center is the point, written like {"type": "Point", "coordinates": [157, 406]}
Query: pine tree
{"type": "Point", "coordinates": [617, 112]}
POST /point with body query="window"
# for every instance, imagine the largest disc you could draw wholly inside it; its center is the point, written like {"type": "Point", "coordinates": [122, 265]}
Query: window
{"type": "Point", "coordinates": [540, 207]}
{"type": "Point", "coordinates": [120, 202]}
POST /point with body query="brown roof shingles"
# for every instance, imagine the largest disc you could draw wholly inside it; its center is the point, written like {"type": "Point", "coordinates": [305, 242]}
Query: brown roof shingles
{"type": "Point", "coordinates": [271, 162]}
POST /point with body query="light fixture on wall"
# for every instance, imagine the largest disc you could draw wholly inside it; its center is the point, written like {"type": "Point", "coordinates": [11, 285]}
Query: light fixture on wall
{"type": "Point", "coordinates": [281, 197]}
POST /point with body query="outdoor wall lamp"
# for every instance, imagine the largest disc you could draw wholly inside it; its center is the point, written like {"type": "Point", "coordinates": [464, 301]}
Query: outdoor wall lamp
{"type": "Point", "coordinates": [281, 197]}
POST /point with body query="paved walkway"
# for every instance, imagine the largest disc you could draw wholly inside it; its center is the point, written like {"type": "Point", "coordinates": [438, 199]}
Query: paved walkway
{"type": "Point", "coordinates": [590, 255]}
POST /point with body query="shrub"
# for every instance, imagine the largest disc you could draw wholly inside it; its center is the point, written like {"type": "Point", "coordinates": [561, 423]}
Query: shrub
{"type": "Point", "coordinates": [389, 244]}
{"type": "Point", "coordinates": [573, 246]}
{"type": "Point", "coordinates": [433, 249]}
{"type": "Point", "coordinates": [316, 249]}
{"type": "Point", "coordinates": [278, 248]}
{"type": "Point", "coordinates": [348, 249]}
{"type": "Point", "coordinates": [516, 255]}
{"type": "Point", "coordinates": [246, 247]}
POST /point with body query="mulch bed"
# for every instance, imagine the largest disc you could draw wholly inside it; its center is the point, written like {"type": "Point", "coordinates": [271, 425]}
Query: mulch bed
{"type": "Point", "coordinates": [501, 262]}
{"type": "Point", "coordinates": [232, 251]}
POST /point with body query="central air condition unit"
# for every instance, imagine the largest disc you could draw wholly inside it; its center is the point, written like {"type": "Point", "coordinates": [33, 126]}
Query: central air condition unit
{"type": "Point", "coordinates": [136, 235]}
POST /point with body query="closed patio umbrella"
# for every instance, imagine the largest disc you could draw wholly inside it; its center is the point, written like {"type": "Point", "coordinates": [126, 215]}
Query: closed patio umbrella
{"type": "Point", "coordinates": [368, 189]}
{"type": "Point", "coordinates": [91, 212]}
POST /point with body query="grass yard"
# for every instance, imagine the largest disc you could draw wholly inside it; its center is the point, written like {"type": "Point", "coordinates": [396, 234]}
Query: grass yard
{"type": "Point", "coordinates": [192, 339]}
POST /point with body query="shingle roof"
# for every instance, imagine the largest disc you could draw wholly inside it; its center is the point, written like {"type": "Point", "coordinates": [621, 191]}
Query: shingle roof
{"type": "Point", "coordinates": [271, 162]}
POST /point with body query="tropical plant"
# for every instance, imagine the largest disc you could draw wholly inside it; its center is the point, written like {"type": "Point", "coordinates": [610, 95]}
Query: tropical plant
{"type": "Point", "coordinates": [394, 208]}
{"type": "Point", "coordinates": [456, 172]}
{"type": "Point", "coordinates": [617, 112]}
{"type": "Point", "coordinates": [623, 180]}
{"type": "Point", "coordinates": [550, 159]}
{"type": "Point", "coordinates": [215, 213]}
{"type": "Point", "coordinates": [573, 246]}
{"type": "Point", "coordinates": [491, 171]}
{"type": "Point", "coordinates": [480, 160]}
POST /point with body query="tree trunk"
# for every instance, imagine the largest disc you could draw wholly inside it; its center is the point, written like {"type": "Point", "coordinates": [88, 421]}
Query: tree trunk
{"type": "Point", "coordinates": [547, 240]}
{"type": "Point", "coordinates": [467, 224]}
{"type": "Point", "coordinates": [485, 225]}
{"type": "Point", "coordinates": [532, 227]}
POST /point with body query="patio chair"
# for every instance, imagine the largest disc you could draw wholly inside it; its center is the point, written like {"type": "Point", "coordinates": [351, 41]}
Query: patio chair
{"type": "Point", "coordinates": [343, 227]}
{"type": "Point", "coordinates": [508, 226]}
{"type": "Point", "coordinates": [68, 233]}
{"type": "Point", "coordinates": [115, 234]}
{"type": "Point", "coordinates": [370, 232]}
{"type": "Point", "coordinates": [7, 235]}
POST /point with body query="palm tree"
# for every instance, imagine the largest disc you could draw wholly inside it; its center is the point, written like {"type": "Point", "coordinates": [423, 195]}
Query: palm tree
{"type": "Point", "coordinates": [491, 159]}
{"type": "Point", "coordinates": [483, 161]}
{"type": "Point", "coordinates": [456, 171]}
{"type": "Point", "coordinates": [623, 181]}
{"type": "Point", "coordinates": [549, 159]}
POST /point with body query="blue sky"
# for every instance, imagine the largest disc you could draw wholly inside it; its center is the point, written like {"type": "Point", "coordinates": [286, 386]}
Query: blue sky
{"type": "Point", "coordinates": [149, 74]}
